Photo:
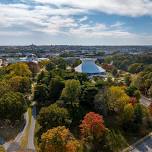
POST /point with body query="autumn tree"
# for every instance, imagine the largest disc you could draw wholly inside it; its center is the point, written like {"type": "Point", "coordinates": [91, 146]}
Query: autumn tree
{"type": "Point", "coordinates": [128, 113]}
{"type": "Point", "coordinates": [92, 129]}
{"type": "Point", "coordinates": [92, 125]}
{"type": "Point", "coordinates": [19, 69]}
{"type": "Point", "coordinates": [116, 98]}
{"type": "Point", "coordinates": [20, 84]}
{"type": "Point", "coordinates": [59, 139]}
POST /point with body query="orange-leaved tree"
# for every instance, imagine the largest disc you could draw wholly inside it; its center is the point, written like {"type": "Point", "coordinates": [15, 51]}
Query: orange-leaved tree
{"type": "Point", "coordinates": [59, 139]}
{"type": "Point", "coordinates": [92, 126]}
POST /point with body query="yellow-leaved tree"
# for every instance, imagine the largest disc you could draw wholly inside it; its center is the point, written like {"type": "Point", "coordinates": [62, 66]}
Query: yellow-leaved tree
{"type": "Point", "coordinates": [59, 139]}
{"type": "Point", "coordinates": [117, 98]}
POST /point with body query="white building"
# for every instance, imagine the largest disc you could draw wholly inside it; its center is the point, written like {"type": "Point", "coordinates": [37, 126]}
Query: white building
{"type": "Point", "coordinates": [89, 67]}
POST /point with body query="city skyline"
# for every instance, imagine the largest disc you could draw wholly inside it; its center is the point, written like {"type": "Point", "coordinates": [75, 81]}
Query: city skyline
{"type": "Point", "coordinates": [98, 22]}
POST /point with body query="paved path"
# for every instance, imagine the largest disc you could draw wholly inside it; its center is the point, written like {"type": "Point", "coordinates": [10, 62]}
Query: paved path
{"type": "Point", "coordinates": [144, 146]}
{"type": "Point", "coordinates": [30, 144]}
{"type": "Point", "coordinates": [145, 101]}
{"type": "Point", "coordinates": [14, 145]}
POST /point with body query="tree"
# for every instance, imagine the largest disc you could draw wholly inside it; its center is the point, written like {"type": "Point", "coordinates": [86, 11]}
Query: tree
{"type": "Point", "coordinates": [61, 63]}
{"type": "Point", "coordinates": [131, 90]}
{"type": "Point", "coordinates": [4, 87]}
{"type": "Point", "coordinates": [100, 105]}
{"type": "Point", "coordinates": [136, 68]}
{"type": "Point", "coordinates": [20, 84]}
{"type": "Point", "coordinates": [82, 77]}
{"type": "Point", "coordinates": [59, 139]}
{"type": "Point", "coordinates": [138, 114]}
{"type": "Point", "coordinates": [92, 125]}
{"type": "Point", "coordinates": [53, 116]}
{"type": "Point", "coordinates": [41, 93]}
{"type": "Point", "coordinates": [115, 141]}
{"type": "Point", "coordinates": [127, 79]}
{"type": "Point", "coordinates": [70, 94]}
{"type": "Point", "coordinates": [50, 66]}
{"type": "Point", "coordinates": [12, 106]}
{"type": "Point", "coordinates": [41, 76]}
{"type": "Point", "coordinates": [116, 98]}
{"type": "Point", "coordinates": [128, 113]}
{"type": "Point", "coordinates": [87, 95]}
{"type": "Point", "coordinates": [19, 69]}
{"type": "Point", "coordinates": [55, 88]}
{"type": "Point", "coordinates": [114, 71]}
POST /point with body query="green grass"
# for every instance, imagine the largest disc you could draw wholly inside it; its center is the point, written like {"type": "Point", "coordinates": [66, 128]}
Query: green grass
{"type": "Point", "coordinates": [24, 139]}
{"type": "Point", "coordinates": [37, 127]}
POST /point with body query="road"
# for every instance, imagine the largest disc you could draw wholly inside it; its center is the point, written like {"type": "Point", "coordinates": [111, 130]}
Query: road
{"type": "Point", "coordinates": [14, 145]}
{"type": "Point", "coordinates": [30, 144]}
{"type": "Point", "coordinates": [145, 101]}
{"type": "Point", "coordinates": [144, 146]}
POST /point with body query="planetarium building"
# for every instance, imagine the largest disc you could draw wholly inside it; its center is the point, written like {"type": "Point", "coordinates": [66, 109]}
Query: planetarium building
{"type": "Point", "coordinates": [89, 67]}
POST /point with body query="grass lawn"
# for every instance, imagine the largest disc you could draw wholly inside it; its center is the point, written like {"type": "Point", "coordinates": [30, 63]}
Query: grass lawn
{"type": "Point", "coordinates": [37, 127]}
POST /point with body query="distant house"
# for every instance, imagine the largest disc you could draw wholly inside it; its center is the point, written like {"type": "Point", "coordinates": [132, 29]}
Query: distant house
{"type": "Point", "coordinates": [89, 67]}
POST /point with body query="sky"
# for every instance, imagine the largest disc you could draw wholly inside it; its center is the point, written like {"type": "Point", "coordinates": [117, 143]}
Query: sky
{"type": "Point", "coordinates": [76, 22]}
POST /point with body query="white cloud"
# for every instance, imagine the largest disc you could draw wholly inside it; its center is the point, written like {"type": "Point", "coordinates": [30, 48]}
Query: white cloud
{"type": "Point", "coordinates": [121, 7]}
{"type": "Point", "coordinates": [59, 21]}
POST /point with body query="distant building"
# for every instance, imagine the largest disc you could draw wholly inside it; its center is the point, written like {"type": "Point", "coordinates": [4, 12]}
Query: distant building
{"type": "Point", "coordinates": [31, 58]}
{"type": "Point", "coordinates": [89, 67]}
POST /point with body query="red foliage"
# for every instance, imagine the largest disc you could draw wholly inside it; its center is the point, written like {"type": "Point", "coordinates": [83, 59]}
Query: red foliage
{"type": "Point", "coordinates": [150, 108]}
{"type": "Point", "coordinates": [133, 100]}
{"type": "Point", "coordinates": [92, 125]}
{"type": "Point", "coordinates": [107, 67]}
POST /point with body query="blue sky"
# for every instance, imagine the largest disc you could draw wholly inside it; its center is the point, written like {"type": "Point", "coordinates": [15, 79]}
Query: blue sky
{"type": "Point", "coordinates": [78, 22]}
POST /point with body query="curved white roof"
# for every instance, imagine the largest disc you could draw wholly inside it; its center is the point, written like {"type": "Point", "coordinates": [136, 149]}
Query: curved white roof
{"type": "Point", "coordinates": [88, 66]}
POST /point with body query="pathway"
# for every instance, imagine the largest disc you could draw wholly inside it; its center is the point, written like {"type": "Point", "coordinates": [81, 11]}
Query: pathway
{"type": "Point", "coordinates": [30, 144]}
{"type": "Point", "coordinates": [145, 101]}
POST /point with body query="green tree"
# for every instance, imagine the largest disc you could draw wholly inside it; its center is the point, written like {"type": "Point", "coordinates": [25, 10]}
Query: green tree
{"type": "Point", "coordinates": [12, 106]}
{"type": "Point", "coordinates": [20, 84]}
{"type": "Point", "coordinates": [88, 94]}
{"type": "Point", "coordinates": [128, 113]}
{"type": "Point", "coordinates": [53, 116]}
{"type": "Point", "coordinates": [55, 88]}
{"type": "Point", "coordinates": [50, 66]}
{"type": "Point", "coordinates": [19, 69]}
{"type": "Point", "coordinates": [138, 114]}
{"type": "Point", "coordinates": [70, 94]}
{"type": "Point", "coordinates": [82, 77]}
{"type": "Point", "coordinates": [135, 68]}
{"type": "Point", "coordinates": [41, 93]}
{"type": "Point", "coordinates": [115, 141]}
{"type": "Point", "coordinates": [4, 87]}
